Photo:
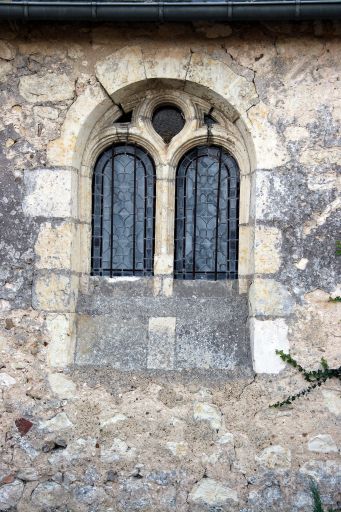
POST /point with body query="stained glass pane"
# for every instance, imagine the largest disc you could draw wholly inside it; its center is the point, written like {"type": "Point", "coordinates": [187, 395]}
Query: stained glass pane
{"type": "Point", "coordinates": [206, 227]}
{"type": "Point", "coordinates": [123, 212]}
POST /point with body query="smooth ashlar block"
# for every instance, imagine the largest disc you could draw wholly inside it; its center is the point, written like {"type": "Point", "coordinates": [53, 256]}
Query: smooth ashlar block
{"type": "Point", "coordinates": [267, 336]}
{"type": "Point", "coordinates": [161, 343]}
{"type": "Point", "coordinates": [267, 249]}
{"type": "Point", "coordinates": [269, 298]}
{"type": "Point", "coordinates": [50, 193]}
{"type": "Point", "coordinates": [55, 292]}
{"type": "Point", "coordinates": [60, 329]}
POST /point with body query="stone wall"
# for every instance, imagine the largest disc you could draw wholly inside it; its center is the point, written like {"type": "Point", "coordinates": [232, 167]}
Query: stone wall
{"type": "Point", "coordinates": [77, 437]}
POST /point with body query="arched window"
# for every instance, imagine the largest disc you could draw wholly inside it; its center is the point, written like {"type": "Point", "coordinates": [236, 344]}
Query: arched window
{"type": "Point", "coordinates": [206, 223]}
{"type": "Point", "coordinates": [123, 197]}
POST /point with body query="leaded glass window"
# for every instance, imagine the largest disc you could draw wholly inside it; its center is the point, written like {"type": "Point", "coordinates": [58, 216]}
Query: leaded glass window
{"type": "Point", "coordinates": [123, 197]}
{"type": "Point", "coordinates": [206, 224]}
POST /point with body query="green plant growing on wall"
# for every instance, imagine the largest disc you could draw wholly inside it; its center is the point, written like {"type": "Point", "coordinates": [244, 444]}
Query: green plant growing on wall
{"type": "Point", "coordinates": [317, 499]}
{"type": "Point", "coordinates": [338, 248]}
{"type": "Point", "coordinates": [317, 377]}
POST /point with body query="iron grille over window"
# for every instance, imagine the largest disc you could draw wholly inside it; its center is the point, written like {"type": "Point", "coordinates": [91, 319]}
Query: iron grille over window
{"type": "Point", "coordinates": [206, 224]}
{"type": "Point", "coordinates": [123, 197]}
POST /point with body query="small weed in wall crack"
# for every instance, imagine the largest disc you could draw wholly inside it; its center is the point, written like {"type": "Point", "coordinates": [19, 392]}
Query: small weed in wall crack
{"type": "Point", "coordinates": [317, 499]}
{"type": "Point", "coordinates": [315, 376]}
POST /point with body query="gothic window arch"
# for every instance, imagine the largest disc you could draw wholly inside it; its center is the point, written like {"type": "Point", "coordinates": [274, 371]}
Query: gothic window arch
{"type": "Point", "coordinates": [123, 212]}
{"type": "Point", "coordinates": [206, 215]}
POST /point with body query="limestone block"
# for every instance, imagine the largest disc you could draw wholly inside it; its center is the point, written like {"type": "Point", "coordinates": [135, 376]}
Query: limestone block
{"type": "Point", "coordinates": [178, 449]}
{"type": "Point", "coordinates": [46, 113]}
{"type": "Point", "coordinates": [54, 246]}
{"type": "Point", "coordinates": [212, 493]}
{"type": "Point", "coordinates": [246, 245]}
{"type": "Point", "coordinates": [117, 451]}
{"type": "Point", "coordinates": [161, 342]}
{"type": "Point", "coordinates": [120, 69]}
{"type": "Point", "coordinates": [322, 443]}
{"type": "Point", "coordinates": [332, 400]}
{"type": "Point", "coordinates": [113, 420]}
{"type": "Point", "coordinates": [5, 70]}
{"type": "Point", "coordinates": [81, 117]}
{"type": "Point", "coordinates": [55, 292]}
{"type": "Point", "coordinates": [267, 249]}
{"type": "Point", "coordinates": [270, 298]}
{"type": "Point", "coordinates": [50, 193]}
{"type": "Point", "coordinates": [226, 438]}
{"type": "Point", "coordinates": [58, 422]}
{"type": "Point", "coordinates": [302, 264]}
{"type": "Point", "coordinates": [62, 386]}
{"type": "Point", "coordinates": [208, 412]}
{"type": "Point", "coordinates": [270, 150]}
{"type": "Point", "coordinates": [166, 62]}
{"type": "Point", "coordinates": [267, 336]}
{"type": "Point", "coordinates": [7, 50]}
{"type": "Point", "coordinates": [218, 76]}
{"type": "Point", "coordinates": [50, 87]}
{"type": "Point", "coordinates": [60, 331]}
{"type": "Point", "coordinates": [48, 494]}
{"type": "Point", "coordinates": [274, 457]}
{"type": "Point", "coordinates": [6, 381]}
{"type": "Point", "coordinates": [10, 494]}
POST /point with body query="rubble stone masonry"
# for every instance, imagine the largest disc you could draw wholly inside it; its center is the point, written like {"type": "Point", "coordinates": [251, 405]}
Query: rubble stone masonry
{"type": "Point", "coordinates": [148, 394]}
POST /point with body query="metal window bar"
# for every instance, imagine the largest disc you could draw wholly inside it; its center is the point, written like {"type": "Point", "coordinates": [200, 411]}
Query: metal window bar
{"type": "Point", "coordinates": [207, 209]}
{"type": "Point", "coordinates": [123, 212]}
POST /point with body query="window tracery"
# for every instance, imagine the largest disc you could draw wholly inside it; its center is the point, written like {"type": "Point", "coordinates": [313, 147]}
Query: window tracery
{"type": "Point", "coordinates": [190, 163]}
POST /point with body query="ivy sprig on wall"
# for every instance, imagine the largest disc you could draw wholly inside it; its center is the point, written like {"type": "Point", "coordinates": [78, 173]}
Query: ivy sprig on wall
{"type": "Point", "coordinates": [317, 377]}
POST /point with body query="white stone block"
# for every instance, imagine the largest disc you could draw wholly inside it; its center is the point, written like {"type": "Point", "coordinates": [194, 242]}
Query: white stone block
{"type": "Point", "coordinates": [58, 422]}
{"type": "Point", "coordinates": [274, 457]}
{"type": "Point", "coordinates": [62, 386]}
{"type": "Point", "coordinates": [267, 336]}
{"type": "Point", "coordinates": [322, 443]}
{"type": "Point", "coordinates": [55, 292]}
{"type": "Point", "coordinates": [50, 87]}
{"type": "Point", "coordinates": [6, 381]}
{"type": "Point", "coordinates": [269, 298]}
{"type": "Point", "coordinates": [61, 334]}
{"type": "Point", "coordinates": [267, 249]}
{"type": "Point", "coordinates": [332, 400]}
{"type": "Point", "coordinates": [207, 412]}
{"type": "Point", "coordinates": [161, 342]}
{"type": "Point", "coordinates": [50, 193]}
{"type": "Point", "coordinates": [212, 493]}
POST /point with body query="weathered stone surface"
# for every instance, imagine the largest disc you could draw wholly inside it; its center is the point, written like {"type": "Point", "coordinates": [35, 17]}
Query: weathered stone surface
{"type": "Point", "coordinates": [274, 457]}
{"type": "Point", "coordinates": [332, 400]}
{"type": "Point", "coordinates": [55, 245]}
{"type": "Point", "coordinates": [7, 50]}
{"type": "Point", "coordinates": [135, 443]}
{"type": "Point", "coordinates": [10, 494]}
{"type": "Point", "coordinates": [267, 250]}
{"type": "Point", "coordinates": [50, 193]}
{"type": "Point", "coordinates": [270, 298]}
{"type": "Point", "coordinates": [48, 494]}
{"type": "Point", "coordinates": [61, 385]}
{"type": "Point", "coordinates": [58, 422]}
{"type": "Point", "coordinates": [6, 380]}
{"type": "Point", "coordinates": [207, 412]}
{"type": "Point", "coordinates": [322, 443]}
{"type": "Point", "coordinates": [5, 70]}
{"type": "Point", "coordinates": [212, 493]}
{"type": "Point", "coordinates": [50, 87]}
{"type": "Point", "coordinates": [267, 336]}
{"type": "Point", "coordinates": [64, 288]}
